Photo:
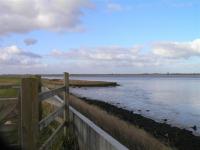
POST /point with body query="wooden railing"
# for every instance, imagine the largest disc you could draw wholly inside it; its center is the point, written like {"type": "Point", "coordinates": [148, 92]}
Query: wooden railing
{"type": "Point", "coordinates": [31, 100]}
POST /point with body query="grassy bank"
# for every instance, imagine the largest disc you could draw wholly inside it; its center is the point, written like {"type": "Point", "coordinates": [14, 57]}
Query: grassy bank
{"type": "Point", "coordinates": [4, 80]}
{"type": "Point", "coordinates": [131, 136]}
{"type": "Point", "coordinates": [173, 136]}
{"type": "Point", "coordinates": [80, 83]}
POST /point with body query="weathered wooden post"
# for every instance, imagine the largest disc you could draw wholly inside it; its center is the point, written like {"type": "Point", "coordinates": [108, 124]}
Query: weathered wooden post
{"type": "Point", "coordinates": [39, 90]}
{"type": "Point", "coordinates": [30, 113]}
{"type": "Point", "coordinates": [66, 100]}
{"type": "Point", "coordinates": [19, 118]}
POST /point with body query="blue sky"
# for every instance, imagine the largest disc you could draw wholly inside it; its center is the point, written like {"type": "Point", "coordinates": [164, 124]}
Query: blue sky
{"type": "Point", "coordinates": [100, 36]}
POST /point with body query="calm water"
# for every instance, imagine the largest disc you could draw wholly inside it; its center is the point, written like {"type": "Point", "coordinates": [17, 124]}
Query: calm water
{"type": "Point", "coordinates": [176, 99]}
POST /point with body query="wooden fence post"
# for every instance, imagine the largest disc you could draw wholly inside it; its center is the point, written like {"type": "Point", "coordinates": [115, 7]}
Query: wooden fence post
{"type": "Point", "coordinates": [30, 113]}
{"type": "Point", "coordinates": [66, 100]}
{"type": "Point", "coordinates": [19, 119]}
{"type": "Point", "coordinates": [39, 90]}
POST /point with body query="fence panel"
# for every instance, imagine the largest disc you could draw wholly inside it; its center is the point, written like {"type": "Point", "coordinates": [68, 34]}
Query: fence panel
{"type": "Point", "coordinates": [46, 121]}
{"type": "Point", "coordinates": [48, 94]}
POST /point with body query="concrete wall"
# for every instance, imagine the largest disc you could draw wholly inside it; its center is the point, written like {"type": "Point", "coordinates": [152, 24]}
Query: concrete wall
{"type": "Point", "coordinates": [90, 136]}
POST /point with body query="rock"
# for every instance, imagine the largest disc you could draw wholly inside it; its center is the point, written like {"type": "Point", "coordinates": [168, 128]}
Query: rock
{"type": "Point", "coordinates": [165, 120]}
{"type": "Point", "coordinates": [194, 127]}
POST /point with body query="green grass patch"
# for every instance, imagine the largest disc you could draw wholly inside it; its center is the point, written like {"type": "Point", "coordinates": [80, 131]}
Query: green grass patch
{"type": "Point", "coordinates": [8, 93]}
{"type": "Point", "coordinates": [10, 80]}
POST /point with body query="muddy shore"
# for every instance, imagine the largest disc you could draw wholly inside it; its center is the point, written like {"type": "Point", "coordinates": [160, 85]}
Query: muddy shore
{"type": "Point", "coordinates": [181, 139]}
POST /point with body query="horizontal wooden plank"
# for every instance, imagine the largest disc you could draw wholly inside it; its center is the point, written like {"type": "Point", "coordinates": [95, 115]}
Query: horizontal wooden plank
{"type": "Point", "coordinates": [51, 139]}
{"type": "Point", "coordinates": [9, 86]}
{"type": "Point", "coordinates": [44, 95]}
{"type": "Point", "coordinates": [15, 99]}
{"type": "Point", "coordinates": [46, 121]}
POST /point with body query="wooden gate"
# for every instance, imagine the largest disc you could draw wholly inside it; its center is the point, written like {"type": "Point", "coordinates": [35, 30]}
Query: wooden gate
{"type": "Point", "coordinates": [29, 120]}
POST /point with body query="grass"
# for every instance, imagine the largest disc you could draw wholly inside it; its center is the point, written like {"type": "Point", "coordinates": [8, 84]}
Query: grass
{"type": "Point", "coordinates": [62, 142]}
{"type": "Point", "coordinates": [129, 135]}
{"type": "Point", "coordinates": [48, 131]}
{"type": "Point", "coordinates": [9, 80]}
{"type": "Point", "coordinates": [9, 92]}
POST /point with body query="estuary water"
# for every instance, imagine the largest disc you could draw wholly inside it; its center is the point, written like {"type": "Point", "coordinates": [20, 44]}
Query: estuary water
{"type": "Point", "coordinates": [175, 98]}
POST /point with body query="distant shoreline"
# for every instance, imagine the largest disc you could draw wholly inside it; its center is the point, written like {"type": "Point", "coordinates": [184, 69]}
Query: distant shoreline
{"type": "Point", "coordinates": [134, 74]}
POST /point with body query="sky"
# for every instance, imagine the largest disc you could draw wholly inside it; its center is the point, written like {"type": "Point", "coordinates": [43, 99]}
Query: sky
{"type": "Point", "coordinates": [99, 36]}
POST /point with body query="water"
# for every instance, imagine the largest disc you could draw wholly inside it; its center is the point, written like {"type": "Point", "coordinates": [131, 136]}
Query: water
{"type": "Point", "coordinates": [176, 99]}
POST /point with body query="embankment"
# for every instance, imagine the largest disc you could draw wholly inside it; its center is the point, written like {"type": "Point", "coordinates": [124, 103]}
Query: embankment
{"type": "Point", "coordinates": [179, 138]}
{"type": "Point", "coordinates": [80, 83]}
{"type": "Point", "coordinates": [129, 135]}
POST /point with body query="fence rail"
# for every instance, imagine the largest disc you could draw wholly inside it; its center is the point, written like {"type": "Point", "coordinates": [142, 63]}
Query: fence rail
{"type": "Point", "coordinates": [49, 141]}
{"type": "Point", "coordinates": [8, 99]}
{"type": "Point", "coordinates": [48, 94]}
{"type": "Point", "coordinates": [9, 86]}
{"type": "Point", "coordinates": [51, 117]}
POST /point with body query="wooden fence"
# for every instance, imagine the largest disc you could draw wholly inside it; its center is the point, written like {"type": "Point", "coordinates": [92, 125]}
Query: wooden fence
{"type": "Point", "coordinates": [31, 101]}
{"type": "Point", "coordinates": [30, 111]}
{"type": "Point", "coordinates": [31, 124]}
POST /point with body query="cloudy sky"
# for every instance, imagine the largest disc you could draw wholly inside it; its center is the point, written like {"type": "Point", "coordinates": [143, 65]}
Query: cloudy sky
{"type": "Point", "coordinates": [99, 36]}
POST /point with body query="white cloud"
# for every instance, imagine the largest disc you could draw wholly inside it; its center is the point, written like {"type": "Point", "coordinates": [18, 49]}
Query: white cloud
{"type": "Point", "coordinates": [14, 56]}
{"type": "Point", "coordinates": [113, 59]}
{"type": "Point", "coordinates": [113, 7]}
{"type": "Point", "coordinates": [18, 16]}
{"type": "Point", "coordinates": [107, 53]}
{"type": "Point", "coordinates": [177, 49]}
{"type": "Point", "coordinates": [110, 55]}
{"type": "Point", "coordinates": [30, 41]}
{"type": "Point", "coordinates": [163, 56]}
